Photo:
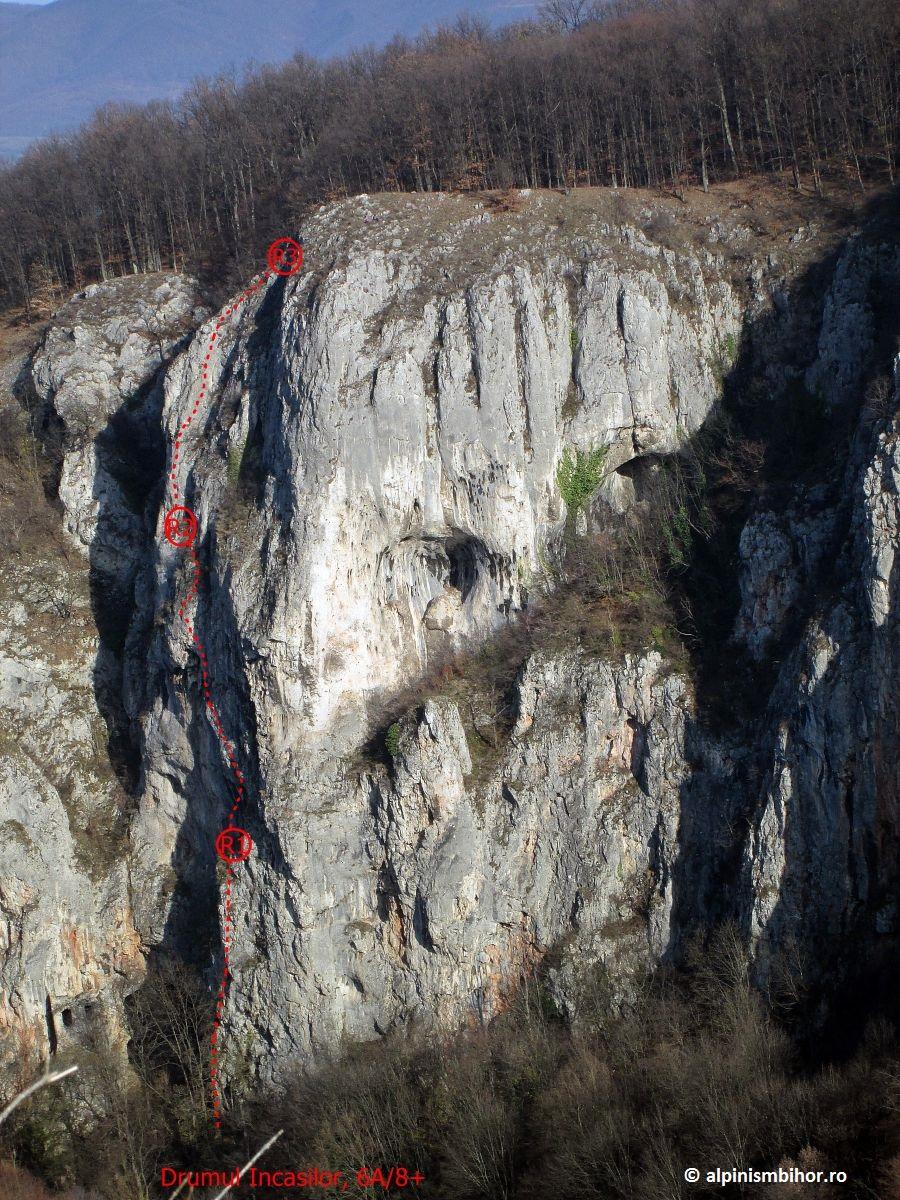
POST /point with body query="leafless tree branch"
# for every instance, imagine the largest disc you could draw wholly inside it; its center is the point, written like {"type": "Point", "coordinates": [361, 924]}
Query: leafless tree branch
{"type": "Point", "coordinates": [258, 1155]}
{"type": "Point", "coordinates": [271, 1142]}
{"type": "Point", "coordinates": [42, 1081]}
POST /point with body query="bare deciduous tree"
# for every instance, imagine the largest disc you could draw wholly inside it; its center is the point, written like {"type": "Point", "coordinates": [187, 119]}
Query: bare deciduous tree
{"type": "Point", "coordinates": [569, 14]}
{"type": "Point", "coordinates": [644, 93]}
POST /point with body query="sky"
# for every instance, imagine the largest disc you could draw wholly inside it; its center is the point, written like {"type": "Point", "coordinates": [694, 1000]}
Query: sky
{"type": "Point", "coordinates": [58, 67]}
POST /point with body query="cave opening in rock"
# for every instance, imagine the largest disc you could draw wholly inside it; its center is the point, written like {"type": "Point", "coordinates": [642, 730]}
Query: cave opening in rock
{"type": "Point", "coordinates": [462, 556]}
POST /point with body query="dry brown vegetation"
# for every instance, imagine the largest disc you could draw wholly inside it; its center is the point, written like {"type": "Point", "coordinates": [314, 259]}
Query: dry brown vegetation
{"type": "Point", "coordinates": [38, 567]}
{"type": "Point", "coordinates": [692, 1070]}
{"type": "Point", "coordinates": [18, 1184]}
{"type": "Point", "coordinates": [26, 468]}
{"type": "Point", "coordinates": [619, 588]}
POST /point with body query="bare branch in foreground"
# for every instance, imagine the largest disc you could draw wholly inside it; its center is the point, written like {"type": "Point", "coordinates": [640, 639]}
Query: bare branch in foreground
{"type": "Point", "coordinates": [247, 1166]}
{"type": "Point", "coordinates": [44, 1079]}
{"type": "Point", "coordinates": [258, 1155]}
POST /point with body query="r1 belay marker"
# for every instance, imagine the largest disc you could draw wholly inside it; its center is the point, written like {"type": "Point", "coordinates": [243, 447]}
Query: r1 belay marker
{"type": "Point", "coordinates": [234, 845]}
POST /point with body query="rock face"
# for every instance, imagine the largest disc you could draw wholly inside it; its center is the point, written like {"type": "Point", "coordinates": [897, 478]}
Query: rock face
{"type": "Point", "coordinates": [821, 861]}
{"type": "Point", "coordinates": [376, 487]}
{"type": "Point", "coordinates": [429, 889]}
{"type": "Point", "coordinates": [100, 355]}
{"type": "Point", "coordinates": [70, 948]}
{"type": "Point", "coordinates": [403, 431]}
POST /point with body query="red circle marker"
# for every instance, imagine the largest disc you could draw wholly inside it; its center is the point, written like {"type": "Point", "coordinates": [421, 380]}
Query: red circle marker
{"type": "Point", "coordinates": [233, 845]}
{"type": "Point", "coordinates": [180, 526]}
{"type": "Point", "coordinates": [285, 256]}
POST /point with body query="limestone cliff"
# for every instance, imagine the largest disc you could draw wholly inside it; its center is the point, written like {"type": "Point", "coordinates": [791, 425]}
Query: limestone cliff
{"type": "Point", "coordinates": [376, 482]}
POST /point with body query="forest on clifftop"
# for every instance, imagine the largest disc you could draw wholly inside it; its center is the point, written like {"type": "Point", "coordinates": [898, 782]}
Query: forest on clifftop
{"type": "Point", "coordinates": [638, 93]}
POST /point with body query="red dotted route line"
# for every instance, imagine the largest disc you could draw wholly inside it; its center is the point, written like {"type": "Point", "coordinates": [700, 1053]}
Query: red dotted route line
{"type": "Point", "coordinates": [232, 308]}
{"type": "Point", "coordinates": [212, 710]}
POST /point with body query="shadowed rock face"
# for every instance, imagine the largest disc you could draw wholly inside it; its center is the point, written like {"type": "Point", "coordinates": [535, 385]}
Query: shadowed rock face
{"type": "Point", "coordinates": [376, 487]}
{"type": "Point", "coordinates": [69, 768]}
{"type": "Point", "coordinates": [820, 863]}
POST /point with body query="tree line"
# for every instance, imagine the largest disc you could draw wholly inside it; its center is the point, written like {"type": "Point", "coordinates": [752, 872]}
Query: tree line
{"type": "Point", "coordinates": [630, 93]}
